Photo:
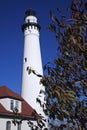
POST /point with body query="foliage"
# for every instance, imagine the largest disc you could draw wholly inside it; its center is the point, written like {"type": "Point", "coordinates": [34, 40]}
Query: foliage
{"type": "Point", "coordinates": [36, 124]}
{"type": "Point", "coordinates": [66, 79]}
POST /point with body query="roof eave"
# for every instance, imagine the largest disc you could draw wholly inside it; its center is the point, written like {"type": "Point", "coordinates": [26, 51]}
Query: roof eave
{"type": "Point", "coordinates": [22, 117]}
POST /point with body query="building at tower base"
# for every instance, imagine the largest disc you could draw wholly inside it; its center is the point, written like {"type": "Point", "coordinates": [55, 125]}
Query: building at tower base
{"type": "Point", "coordinates": [11, 119]}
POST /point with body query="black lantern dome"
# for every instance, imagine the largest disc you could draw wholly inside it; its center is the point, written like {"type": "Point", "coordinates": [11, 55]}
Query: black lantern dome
{"type": "Point", "coordinates": [30, 12]}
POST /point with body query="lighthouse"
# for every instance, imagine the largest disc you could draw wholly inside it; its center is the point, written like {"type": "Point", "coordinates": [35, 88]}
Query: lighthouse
{"type": "Point", "coordinates": [32, 60]}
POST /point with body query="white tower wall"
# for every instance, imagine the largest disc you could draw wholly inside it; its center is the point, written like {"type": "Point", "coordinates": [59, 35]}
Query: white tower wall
{"type": "Point", "coordinates": [32, 59]}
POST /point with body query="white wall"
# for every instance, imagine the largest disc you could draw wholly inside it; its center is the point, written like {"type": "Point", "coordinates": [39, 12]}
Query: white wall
{"type": "Point", "coordinates": [24, 125]}
{"type": "Point", "coordinates": [6, 103]}
{"type": "Point", "coordinates": [2, 124]}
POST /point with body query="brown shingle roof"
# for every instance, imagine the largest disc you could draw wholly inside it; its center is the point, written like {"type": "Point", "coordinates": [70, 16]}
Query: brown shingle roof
{"type": "Point", "coordinates": [6, 92]}
{"type": "Point", "coordinates": [27, 110]}
{"type": "Point", "coordinates": [2, 109]}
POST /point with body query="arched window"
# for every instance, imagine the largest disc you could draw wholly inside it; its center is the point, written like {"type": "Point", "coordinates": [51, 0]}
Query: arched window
{"type": "Point", "coordinates": [19, 126]}
{"type": "Point", "coordinates": [8, 125]}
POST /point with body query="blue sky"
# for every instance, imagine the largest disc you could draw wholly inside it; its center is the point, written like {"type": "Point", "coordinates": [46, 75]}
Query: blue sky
{"type": "Point", "coordinates": [11, 37]}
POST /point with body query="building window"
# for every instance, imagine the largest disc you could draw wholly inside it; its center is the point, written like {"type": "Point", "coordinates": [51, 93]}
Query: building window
{"type": "Point", "coordinates": [12, 104]}
{"type": "Point", "coordinates": [8, 125]}
{"type": "Point", "coordinates": [19, 126]}
{"type": "Point", "coordinates": [17, 104]}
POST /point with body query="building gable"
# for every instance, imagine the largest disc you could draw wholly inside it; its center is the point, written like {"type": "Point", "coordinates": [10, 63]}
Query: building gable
{"type": "Point", "coordinates": [27, 112]}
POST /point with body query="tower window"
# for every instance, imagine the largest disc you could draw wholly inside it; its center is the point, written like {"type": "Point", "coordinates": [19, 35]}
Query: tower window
{"type": "Point", "coordinates": [8, 125]}
{"type": "Point", "coordinates": [25, 59]}
{"type": "Point", "coordinates": [34, 27]}
{"type": "Point", "coordinates": [28, 27]}
{"type": "Point", "coordinates": [12, 104]}
{"type": "Point", "coordinates": [28, 20]}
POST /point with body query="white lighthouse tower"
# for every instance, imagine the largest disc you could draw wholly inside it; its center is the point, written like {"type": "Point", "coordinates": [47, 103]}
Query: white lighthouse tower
{"type": "Point", "coordinates": [32, 59]}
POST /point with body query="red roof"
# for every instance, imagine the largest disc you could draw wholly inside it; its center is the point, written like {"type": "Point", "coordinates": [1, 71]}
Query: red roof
{"type": "Point", "coordinates": [27, 110]}
{"type": "Point", "coordinates": [6, 92]}
{"type": "Point", "coordinates": [2, 109]}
